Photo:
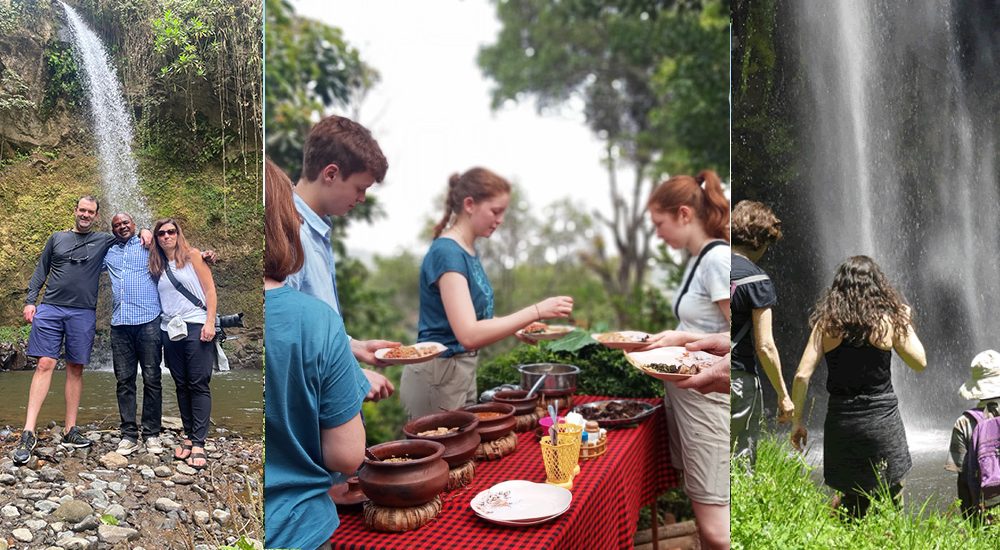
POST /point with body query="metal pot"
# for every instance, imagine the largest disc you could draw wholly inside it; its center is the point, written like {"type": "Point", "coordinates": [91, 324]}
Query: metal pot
{"type": "Point", "coordinates": [561, 379]}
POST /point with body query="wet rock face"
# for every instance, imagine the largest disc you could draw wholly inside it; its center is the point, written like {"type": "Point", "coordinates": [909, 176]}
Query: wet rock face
{"type": "Point", "coordinates": [79, 500]}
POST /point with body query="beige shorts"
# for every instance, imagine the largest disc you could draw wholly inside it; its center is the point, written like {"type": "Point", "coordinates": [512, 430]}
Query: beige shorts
{"type": "Point", "coordinates": [442, 383]}
{"type": "Point", "coordinates": [698, 426]}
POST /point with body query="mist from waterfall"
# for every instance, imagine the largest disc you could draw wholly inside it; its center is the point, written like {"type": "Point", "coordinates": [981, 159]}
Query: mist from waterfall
{"type": "Point", "coordinates": [112, 123]}
{"type": "Point", "coordinates": [899, 147]}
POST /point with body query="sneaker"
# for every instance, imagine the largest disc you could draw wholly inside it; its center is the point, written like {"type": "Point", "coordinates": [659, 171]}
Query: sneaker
{"type": "Point", "coordinates": [126, 446]}
{"type": "Point", "coordinates": [23, 450]}
{"type": "Point", "coordinates": [74, 438]}
{"type": "Point", "coordinates": [153, 445]}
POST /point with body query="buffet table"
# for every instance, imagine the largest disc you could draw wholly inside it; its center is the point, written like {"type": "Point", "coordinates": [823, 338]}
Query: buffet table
{"type": "Point", "coordinates": [607, 496]}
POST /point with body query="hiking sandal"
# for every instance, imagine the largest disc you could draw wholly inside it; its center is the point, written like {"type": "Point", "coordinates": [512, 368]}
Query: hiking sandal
{"type": "Point", "coordinates": [185, 447]}
{"type": "Point", "coordinates": [197, 456]}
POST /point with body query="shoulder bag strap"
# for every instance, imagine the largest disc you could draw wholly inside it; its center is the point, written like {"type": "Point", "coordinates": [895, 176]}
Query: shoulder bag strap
{"type": "Point", "coordinates": [182, 289]}
{"type": "Point", "coordinates": [687, 283]}
{"type": "Point", "coordinates": [732, 291]}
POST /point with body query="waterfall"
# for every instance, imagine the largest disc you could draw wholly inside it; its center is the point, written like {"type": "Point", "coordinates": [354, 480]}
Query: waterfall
{"type": "Point", "coordinates": [112, 124]}
{"type": "Point", "coordinates": [898, 124]}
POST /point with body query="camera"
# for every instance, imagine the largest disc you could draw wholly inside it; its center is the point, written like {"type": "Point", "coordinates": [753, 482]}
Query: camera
{"type": "Point", "coordinates": [227, 321]}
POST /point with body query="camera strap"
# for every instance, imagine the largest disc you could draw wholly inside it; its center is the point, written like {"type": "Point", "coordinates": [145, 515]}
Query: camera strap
{"type": "Point", "coordinates": [182, 289]}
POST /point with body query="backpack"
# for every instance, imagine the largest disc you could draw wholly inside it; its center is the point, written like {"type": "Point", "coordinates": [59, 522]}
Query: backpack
{"type": "Point", "coordinates": [733, 285]}
{"type": "Point", "coordinates": [982, 459]}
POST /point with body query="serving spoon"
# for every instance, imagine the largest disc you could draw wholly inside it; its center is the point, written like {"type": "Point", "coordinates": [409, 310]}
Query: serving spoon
{"type": "Point", "coordinates": [531, 392]}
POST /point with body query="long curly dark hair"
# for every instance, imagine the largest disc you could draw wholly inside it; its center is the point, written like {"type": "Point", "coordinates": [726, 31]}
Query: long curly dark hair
{"type": "Point", "coordinates": [856, 306]}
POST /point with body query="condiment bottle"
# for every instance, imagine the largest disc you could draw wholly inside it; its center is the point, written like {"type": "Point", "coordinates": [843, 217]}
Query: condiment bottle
{"type": "Point", "coordinates": [593, 432]}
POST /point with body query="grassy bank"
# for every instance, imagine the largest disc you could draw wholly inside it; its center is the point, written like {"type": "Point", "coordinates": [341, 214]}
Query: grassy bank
{"type": "Point", "coordinates": [779, 506]}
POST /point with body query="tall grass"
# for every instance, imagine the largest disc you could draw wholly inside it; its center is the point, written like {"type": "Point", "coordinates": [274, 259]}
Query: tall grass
{"type": "Point", "coordinates": [779, 506]}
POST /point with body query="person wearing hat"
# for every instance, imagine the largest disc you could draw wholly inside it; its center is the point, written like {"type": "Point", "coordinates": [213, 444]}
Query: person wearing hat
{"type": "Point", "coordinates": [984, 387]}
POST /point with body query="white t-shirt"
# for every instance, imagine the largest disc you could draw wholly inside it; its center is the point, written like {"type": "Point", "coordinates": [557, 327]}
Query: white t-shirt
{"type": "Point", "coordinates": [699, 311]}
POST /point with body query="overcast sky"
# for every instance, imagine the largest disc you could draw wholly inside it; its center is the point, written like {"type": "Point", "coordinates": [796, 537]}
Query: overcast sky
{"type": "Point", "coordinates": [431, 115]}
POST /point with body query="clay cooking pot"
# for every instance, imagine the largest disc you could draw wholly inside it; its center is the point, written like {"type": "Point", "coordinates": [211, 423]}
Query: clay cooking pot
{"type": "Point", "coordinates": [522, 405]}
{"type": "Point", "coordinates": [405, 484]}
{"type": "Point", "coordinates": [460, 446]}
{"type": "Point", "coordinates": [494, 428]}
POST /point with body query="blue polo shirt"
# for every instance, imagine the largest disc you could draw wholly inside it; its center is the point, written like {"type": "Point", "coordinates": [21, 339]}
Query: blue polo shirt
{"type": "Point", "coordinates": [133, 292]}
{"type": "Point", "coordinates": [318, 276]}
{"type": "Point", "coordinates": [443, 256]}
{"type": "Point", "coordinates": [313, 383]}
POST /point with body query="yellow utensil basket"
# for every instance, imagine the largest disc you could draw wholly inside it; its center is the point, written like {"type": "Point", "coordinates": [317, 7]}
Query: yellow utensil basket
{"type": "Point", "coordinates": [561, 460]}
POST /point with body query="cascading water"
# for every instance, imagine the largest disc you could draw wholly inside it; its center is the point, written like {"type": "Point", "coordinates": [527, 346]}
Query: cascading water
{"type": "Point", "coordinates": [112, 123]}
{"type": "Point", "coordinates": [898, 123]}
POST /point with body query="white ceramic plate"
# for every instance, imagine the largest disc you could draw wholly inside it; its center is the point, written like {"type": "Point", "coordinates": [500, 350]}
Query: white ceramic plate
{"type": "Point", "coordinates": [527, 502]}
{"type": "Point", "coordinates": [553, 332]}
{"type": "Point", "coordinates": [634, 339]}
{"type": "Point", "coordinates": [438, 350]}
{"type": "Point", "coordinates": [673, 355]}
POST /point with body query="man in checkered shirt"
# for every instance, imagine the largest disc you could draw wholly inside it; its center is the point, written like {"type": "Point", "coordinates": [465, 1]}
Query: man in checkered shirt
{"type": "Point", "coordinates": [135, 335]}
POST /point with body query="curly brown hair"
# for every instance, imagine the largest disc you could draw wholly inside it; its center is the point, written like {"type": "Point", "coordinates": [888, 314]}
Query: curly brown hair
{"type": "Point", "coordinates": [754, 225]}
{"type": "Point", "coordinates": [857, 305]}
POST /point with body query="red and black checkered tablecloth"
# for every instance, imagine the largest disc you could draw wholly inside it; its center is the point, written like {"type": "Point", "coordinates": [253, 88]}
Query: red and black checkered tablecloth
{"type": "Point", "coordinates": [607, 496]}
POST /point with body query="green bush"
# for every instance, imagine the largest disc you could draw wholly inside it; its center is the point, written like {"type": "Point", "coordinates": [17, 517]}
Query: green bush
{"type": "Point", "coordinates": [603, 371]}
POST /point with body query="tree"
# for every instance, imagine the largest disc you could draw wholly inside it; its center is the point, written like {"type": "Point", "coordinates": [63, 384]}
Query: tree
{"type": "Point", "coordinates": [653, 82]}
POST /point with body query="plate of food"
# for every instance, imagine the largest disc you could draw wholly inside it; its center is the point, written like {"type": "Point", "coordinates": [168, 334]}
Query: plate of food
{"type": "Point", "coordinates": [627, 340]}
{"type": "Point", "coordinates": [671, 363]}
{"type": "Point", "coordinates": [408, 355]}
{"type": "Point", "coordinates": [520, 502]}
{"type": "Point", "coordinates": [615, 413]}
{"type": "Point", "coordinates": [541, 331]}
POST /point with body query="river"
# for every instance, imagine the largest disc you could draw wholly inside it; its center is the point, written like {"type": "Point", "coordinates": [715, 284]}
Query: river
{"type": "Point", "coordinates": [237, 399]}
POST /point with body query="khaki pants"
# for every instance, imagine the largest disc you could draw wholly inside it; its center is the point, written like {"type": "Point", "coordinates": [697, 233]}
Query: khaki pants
{"type": "Point", "coordinates": [442, 383]}
{"type": "Point", "coordinates": [698, 426]}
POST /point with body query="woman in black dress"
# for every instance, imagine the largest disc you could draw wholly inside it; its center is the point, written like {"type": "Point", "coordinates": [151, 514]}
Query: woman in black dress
{"type": "Point", "coordinates": [856, 325]}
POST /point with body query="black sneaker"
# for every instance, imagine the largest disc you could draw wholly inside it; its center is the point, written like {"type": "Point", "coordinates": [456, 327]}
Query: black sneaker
{"type": "Point", "coordinates": [23, 450]}
{"type": "Point", "coordinates": [74, 438]}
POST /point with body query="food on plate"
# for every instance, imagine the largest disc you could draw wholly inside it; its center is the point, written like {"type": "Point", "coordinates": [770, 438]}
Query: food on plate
{"type": "Point", "coordinates": [493, 501]}
{"type": "Point", "coordinates": [536, 328]}
{"type": "Point", "coordinates": [488, 415]}
{"type": "Point", "coordinates": [612, 337]}
{"type": "Point", "coordinates": [686, 363]}
{"type": "Point", "coordinates": [410, 352]}
{"type": "Point", "coordinates": [615, 410]}
{"type": "Point", "coordinates": [439, 431]}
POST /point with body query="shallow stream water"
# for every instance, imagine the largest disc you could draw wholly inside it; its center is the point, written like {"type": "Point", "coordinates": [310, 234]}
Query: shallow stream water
{"type": "Point", "coordinates": [237, 399]}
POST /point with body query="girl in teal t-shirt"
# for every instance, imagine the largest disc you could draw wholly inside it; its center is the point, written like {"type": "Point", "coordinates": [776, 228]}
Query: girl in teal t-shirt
{"type": "Point", "coordinates": [456, 298]}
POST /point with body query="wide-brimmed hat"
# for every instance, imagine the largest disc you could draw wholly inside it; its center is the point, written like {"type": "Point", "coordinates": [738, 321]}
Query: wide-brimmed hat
{"type": "Point", "coordinates": [985, 381]}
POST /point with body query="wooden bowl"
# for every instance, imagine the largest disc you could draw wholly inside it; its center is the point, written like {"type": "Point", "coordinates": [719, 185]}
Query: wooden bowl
{"type": "Point", "coordinates": [498, 426]}
{"type": "Point", "coordinates": [405, 484]}
{"type": "Point", "coordinates": [460, 446]}
{"type": "Point", "coordinates": [522, 405]}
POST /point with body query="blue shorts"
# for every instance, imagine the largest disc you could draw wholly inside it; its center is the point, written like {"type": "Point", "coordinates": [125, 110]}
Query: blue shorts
{"type": "Point", "coordinates": [52, 324]}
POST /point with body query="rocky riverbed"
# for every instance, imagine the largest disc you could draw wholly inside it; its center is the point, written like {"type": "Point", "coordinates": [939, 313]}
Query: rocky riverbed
{"type": "Point", "coordinates": [96, 499]}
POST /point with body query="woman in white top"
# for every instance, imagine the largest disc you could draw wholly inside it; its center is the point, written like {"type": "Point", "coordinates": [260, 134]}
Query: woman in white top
{"type": "Point", "coordinates": [188, 331]}
{"type": "Point", "coordinates": [692, 214]}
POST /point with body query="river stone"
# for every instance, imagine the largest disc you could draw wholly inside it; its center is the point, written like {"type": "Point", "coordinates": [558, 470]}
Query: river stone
{"type": "Point", "coordinates": [73, 543]}
{"type": "Point", "coordinates": [166, 505]}
{"type": "Point", "coordinates": [162, 471]}
{"type": "Point", "coordinates": [168, 484]}
{"type": "Point", "coordinates": [202, 547]}
{"type": "Point", "coordinates": [22, 535]}
{"type": "Point", "coordinates": [89, 523]}
{"type": "Point", "coordinates": [88, 476]}
{"type": "Point", "coordinates": [98, 484]}
{"type": "Point", "coordinates": [73, 511]}
{"type": "Point", "coordinates": [113, 460]}
{"type": "Point", "coordinates": [148, 460]}
{"type": "Point", "coordinates": [117, 487]}
{"type": "Point", "coordinates": [114, 534]}
{"type": "Point", "coordinates": [202, 517]}
{"type": "Point", "coordinates": [93, 436]}
{"type": "Point", "coordinates": [36, 524]}
{"type": "Point", "coordinates": [186, 470]}
{"type": "Point", "coordinates": [93, 494]}
{"type": "Point", "coordinates": [57, 526]}
{"type": "Point", "coordinates": [182, 479]}
{"type": "Point", "coordinates": [221, 516]}
{"type": "Point", "coordinates": [35, 494]}
{"type": "Point", "coordinates": [7, 479]}
{"type": "Point", "coordinates": [147, 472]}
{"type": "Point", "coordinates": [46, 506]}
{"type": "Point", "coordinates": [117, 511]}
{"type": "Point", "coordinates": [3, 544]}
{"type": "Point", "coordinates": [51, 474]}
{"type": "Point", "coordinates": [9, 512]}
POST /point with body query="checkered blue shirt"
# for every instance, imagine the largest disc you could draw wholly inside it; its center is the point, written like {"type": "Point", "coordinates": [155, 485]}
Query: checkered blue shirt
{"type": "Point", "coordinates": [136, 300]}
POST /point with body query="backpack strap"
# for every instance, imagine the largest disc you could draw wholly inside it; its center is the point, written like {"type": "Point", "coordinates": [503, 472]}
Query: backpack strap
{"type": "Point", "coordinates": [182, 289]}
{"type": "Point", "coordinates": [687, 283]}
{"type": "Point", "coordinates": [733, 285]}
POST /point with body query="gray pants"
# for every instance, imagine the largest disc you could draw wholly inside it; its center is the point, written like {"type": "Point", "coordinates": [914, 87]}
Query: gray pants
{"type": "Point", "coordinates": [443, 383]}
{"type": "Point", "coordinates": [746, 400]}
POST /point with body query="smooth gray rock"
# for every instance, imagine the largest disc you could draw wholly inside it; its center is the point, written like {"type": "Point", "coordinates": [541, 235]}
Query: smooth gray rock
{"type": "Point", "coordinates": [99, 484]}
{"type": "Point", "coordinates": [35, 494]}
{"type": "Point", "coordinates": [73, 543]}
{"type": "Point", "coordinates": [88, 524]}
{"type": "Point", "coordinates": [23, 535]}
{"type": "Point", "coordinates": [166, 505]}
{"type": "Point", "coordinates": [113, 460]}
{"type": "Point", "coordinates": [114, 534]}
{"type": "Point", "coordinates": [51, 474]}
{"type": "Point", "coordinates": [221, 516]}
{"type": "Point", "coordinates": [36, 524]}
{"type": "Point", "coordinates": [9, 512]}
{"type": "Point", "coordinates": [202, 517]}
{"type": "Point", "coordinates": [73, 511]}
{"type": "Point", "coordinates": [88, 476]}
{"type": "Point", "coordinates": [46, 506]}
{"type": "Point", "coordinates": [182, 479]}
{"type": "Point", "coordinates": [117, 511]}
{"type": "Point", "coordinates": [186, 470]}
{"type": "Point", "coordinates": [147, 472]}
{"type": "Point", "coordinates": [118, 487]}
{"type": "Point", "coordinates": [7, 479]}
{"type": "Point", "coordinates": [93, 494]}
{"type": "Point", "coordinates": [162, 471]}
